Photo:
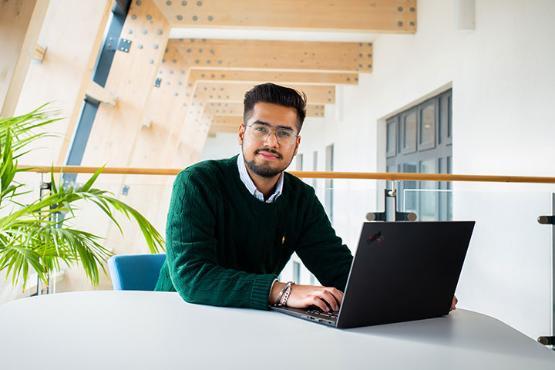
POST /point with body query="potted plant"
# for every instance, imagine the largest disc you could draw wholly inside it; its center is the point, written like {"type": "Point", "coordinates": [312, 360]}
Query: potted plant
{"type": "Point", "coordinates": [37, 235]}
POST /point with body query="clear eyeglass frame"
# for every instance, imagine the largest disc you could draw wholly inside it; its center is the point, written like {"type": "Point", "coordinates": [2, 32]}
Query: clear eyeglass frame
{"type": "Point", "coordinates": [285, 136]}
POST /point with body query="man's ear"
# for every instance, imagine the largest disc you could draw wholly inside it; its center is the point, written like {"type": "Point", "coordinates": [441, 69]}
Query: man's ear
{"type": "Point", "coordinates": [297, 145]}
{"type": "Point", "coordinates": [241, 134]}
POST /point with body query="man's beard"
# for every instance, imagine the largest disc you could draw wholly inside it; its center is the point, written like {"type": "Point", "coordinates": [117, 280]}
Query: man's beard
{"type": "Point", "coordinates": [264, 170]}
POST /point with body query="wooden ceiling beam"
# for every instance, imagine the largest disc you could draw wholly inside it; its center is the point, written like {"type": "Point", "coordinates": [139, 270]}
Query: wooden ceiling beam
{"type": "Point", "coordinates": [211, 92]}
{"type": "Point", "coordinates": [177, 75]}
{"type": "Point", "coordinates": [392, 16]}
{"type": "Point", "coordinates": [300, 56]}
{"type": "Point", "coordinates": [279, 77]}
{"type": "Point", "coordinates": [236, 109]}
{"type": "Point", "coordinates": [215, 129]}
{"type": "Point", "coordinates": [225, 120]}
{"type": "Point", "coordinates": [225, 124]}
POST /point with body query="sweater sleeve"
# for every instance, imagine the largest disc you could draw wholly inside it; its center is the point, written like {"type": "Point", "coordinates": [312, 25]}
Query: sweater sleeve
{"type": "Point", "coordinates": [321, 250]}
{"type": "Point", "coordinates": [191, 252]}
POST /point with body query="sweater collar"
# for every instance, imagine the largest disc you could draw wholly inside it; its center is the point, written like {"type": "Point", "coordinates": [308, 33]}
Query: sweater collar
{"type": "Point", "coordinates": [249, 184]}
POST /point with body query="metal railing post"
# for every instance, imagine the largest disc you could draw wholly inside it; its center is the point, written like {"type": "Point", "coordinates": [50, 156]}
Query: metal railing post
{"type": "Point", "coordinates": [390, 213]}
{"type": "Point", "coordinates": [550, 220]}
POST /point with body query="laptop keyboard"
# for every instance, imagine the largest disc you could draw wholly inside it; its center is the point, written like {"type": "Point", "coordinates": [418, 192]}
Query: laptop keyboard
{"type": "Point", "coordinates": [319, 313]}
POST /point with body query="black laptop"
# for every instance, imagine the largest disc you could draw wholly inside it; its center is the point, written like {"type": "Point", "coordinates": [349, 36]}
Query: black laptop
{"type": "Point", "coordinates": [402, 271]}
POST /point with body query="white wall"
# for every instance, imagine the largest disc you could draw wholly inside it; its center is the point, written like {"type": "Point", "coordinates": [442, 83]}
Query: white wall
{"type": "Point", "coordinates": [503, 84]}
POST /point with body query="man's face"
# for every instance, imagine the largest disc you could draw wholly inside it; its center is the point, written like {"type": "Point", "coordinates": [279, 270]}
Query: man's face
{"type": "Point", "coordinates": [265, 143]}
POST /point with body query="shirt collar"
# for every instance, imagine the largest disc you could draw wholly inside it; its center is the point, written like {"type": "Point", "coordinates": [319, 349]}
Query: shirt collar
{"type": "Point", "coordinates": [249, 184]}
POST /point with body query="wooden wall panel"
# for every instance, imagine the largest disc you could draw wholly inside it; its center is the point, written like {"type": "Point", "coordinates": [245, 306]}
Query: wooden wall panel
{"type": "Point", "coordinates": [225, 124]}
{"type": "Point", "coordinates": [130, 133]}
{"type": "Point", "coordinates": [131, 80]}
{"type": "Point", "coordinates": [397, 16]}
{"type": "Point", "coordinates": [163, 124]}
{"type": "Point", "coordinates": [71, 32]}
{"type": "Point", "coordinates": [15, 16]}
{"type": "Point", "coordinates": [194, 135]}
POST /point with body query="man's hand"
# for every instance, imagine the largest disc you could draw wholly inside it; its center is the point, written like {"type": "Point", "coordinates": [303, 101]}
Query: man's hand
{"type": "Point", "coordinates": [303, 296]}
{"type": "Point", "coordinates": [454, 303]}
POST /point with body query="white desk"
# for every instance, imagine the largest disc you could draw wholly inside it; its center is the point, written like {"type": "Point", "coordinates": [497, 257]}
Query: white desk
{"type": "Point", "coordinates": [148, 330]}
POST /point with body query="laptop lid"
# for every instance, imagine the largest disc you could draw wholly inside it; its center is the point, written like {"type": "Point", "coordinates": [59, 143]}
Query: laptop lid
{"type": "Point", "coordinates": [404, 271]}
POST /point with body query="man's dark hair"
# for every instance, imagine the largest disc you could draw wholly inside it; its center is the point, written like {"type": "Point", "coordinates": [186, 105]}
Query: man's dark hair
{"type": "Point", "coordinates": [275, 94]}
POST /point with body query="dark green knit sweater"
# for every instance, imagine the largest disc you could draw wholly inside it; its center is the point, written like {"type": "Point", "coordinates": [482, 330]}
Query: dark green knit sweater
{"type": "Point", "coordinates": [225, 247]}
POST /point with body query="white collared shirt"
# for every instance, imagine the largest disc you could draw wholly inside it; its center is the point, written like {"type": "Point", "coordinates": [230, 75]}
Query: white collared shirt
{"type": "Point", "coordinates": [246, 179]}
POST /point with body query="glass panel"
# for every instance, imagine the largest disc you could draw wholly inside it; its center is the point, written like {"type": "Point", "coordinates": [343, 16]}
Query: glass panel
{"type": "Point", "coordinates": [510, 253]}
{"type": "Point", "coordinates": [428, 127]}
{"type": "Point", "coordinates": [443, 194]}
{"type": "Point", "coordinates": [409, 132]}
{"type": "Point", "coordinates": [508, 268]}
{"type": "Point", "coordinates": [296, 272]}
{"type": "Point", "coordinates": [392, 168]}
{"type": "Point", "coordinates": [428, 195]}
{"type": "Point", "coordinates": [299, 162]}
{"type": "Point", "coordinates": [329, 183]}
{"type": "Point", "coordinates": [441, 130]}
{"type": "Point", "coordinates": [315, 168]}
{"type": "Point", "coordinates": [449, 116]}
{"type": "Point", "coordinates": [449, 193]}
{"type": "Point", "coordinates": [391, 138]}
{"type": "Point", "coordinates": [407, 189]}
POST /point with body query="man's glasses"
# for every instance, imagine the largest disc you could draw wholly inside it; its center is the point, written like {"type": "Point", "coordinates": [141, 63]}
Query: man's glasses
{"type": "Point", "coordinates": [262, 131]}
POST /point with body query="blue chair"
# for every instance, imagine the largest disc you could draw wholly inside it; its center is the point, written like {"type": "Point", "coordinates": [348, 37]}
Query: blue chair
{"type": "Point", "coordinates": [135, 271]}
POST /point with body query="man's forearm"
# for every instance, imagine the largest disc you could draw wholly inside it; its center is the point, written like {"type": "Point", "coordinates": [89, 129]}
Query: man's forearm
{"type": "Point", "coordinates": [208, 283]}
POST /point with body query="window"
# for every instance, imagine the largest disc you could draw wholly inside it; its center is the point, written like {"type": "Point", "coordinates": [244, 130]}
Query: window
{"type": "Point", "coordinates": [391, 149]}
{"type": "Point", "coordinates": [408, 132]}
{"type": "Point", "coordinates": [299, 162]}
{"type": "Point", "coordinates": [427, 127]}
{"type": "Point", "coordinates": [419, 140]}
{"type": "Point", "coordinates": [315, 168]}
{"type": "Point", "coordinates": [296, 272]}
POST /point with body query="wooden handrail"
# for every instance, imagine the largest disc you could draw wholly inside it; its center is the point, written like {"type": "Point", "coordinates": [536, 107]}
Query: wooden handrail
{"type": "Point", "coordinates": [106, 170]}
{"type": "Point", "coordinates": [396, 176]}
{"type": "Point", "coordinates": [392, 176]}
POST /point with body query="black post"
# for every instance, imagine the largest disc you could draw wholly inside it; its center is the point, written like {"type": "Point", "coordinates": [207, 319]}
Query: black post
{"type": "Point", "coordinates": [44, 190]}
{"type": "Point", "coordinates": [550, 220]}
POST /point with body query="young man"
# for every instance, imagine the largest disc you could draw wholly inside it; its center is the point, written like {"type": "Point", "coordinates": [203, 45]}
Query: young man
{"type": "Point", "coordinates": [233, 224]}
